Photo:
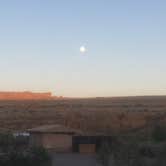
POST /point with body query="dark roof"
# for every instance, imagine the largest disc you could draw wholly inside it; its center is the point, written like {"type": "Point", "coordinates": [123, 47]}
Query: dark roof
{"type": "Point", "coordinates": [58, 129]}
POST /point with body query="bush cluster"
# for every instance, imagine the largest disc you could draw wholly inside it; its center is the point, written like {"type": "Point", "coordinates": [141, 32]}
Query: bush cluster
{"type": "Point", "coordinates": [31, 157]}
{"type": "Point", "coordinates": [159, 134]}
{"type": "Point", "coordinates": [14, 153]}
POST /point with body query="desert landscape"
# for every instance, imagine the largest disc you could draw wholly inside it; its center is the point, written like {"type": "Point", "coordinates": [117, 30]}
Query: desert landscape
{"type": "Point", "coordinates": [82, 83]}
{"type": "Point", "coordinates": [133, 124]}
{"type": "Point", "coordinates": [104, 115]}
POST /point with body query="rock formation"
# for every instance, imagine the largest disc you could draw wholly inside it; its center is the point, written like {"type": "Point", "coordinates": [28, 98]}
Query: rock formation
{"type": "Point", "coordinates": [25, 96]}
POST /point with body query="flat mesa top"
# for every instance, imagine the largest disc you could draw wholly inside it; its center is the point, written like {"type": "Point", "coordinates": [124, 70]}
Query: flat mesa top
{"type": "Point", "coordinates": [26, 95]}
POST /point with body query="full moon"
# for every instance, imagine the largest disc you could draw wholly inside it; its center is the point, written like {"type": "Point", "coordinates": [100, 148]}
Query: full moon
{"type": "Point", "coordinates": [83, 49]}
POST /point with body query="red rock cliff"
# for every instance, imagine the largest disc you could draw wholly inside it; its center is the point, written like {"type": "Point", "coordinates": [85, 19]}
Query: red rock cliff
{"type": "Point", "coordinates": [25, 96]}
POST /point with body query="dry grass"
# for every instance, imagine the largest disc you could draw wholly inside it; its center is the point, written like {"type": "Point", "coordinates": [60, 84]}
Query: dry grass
{"type": "Point", "coordinates": [97, 114]}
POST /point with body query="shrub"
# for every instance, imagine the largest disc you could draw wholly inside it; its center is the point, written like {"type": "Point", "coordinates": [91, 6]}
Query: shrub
{"type": "Point", "coordinates": [7, 141]}
{"type": "Point", "coordinates": [146, 151]}
{"type": "Point", "coordinates": [104, 153]}
{"type": "Point", "coordinates": [31, 157]}
{"type": "Point", "coordinates": [17, 159]}
{"type": "Point", "coordinates": [159, 134]}
{"type": "Point", "coordinates": [38, 156]}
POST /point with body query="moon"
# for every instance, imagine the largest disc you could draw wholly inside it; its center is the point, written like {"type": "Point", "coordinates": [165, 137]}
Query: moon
{"type": "Point", "coordinates": [83, 49]}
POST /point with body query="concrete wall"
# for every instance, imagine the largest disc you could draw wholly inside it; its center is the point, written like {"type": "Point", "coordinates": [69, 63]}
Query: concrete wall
{"type": "Point", "coordinates": [59, 142]}
{"type": "Point", "coordinates": [56, 142]}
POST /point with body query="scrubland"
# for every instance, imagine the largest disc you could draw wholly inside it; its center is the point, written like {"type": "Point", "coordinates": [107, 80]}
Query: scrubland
{"type": "Point", "coordinates": [90, 114]}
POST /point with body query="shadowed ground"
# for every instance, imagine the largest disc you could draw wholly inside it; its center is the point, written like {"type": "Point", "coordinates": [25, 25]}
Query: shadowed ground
{"type": "Point", "coordinates": [74, 160]}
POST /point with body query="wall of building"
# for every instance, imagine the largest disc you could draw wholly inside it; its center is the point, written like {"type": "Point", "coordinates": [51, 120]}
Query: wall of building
{"type": "Point", "coordinates": [68, 143]}
{"type": "Point", "coordinates": [58, 142]}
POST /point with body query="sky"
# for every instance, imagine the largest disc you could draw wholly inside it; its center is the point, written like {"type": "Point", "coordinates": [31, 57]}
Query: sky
{"type": "Point", "coordinates": [125, 42]}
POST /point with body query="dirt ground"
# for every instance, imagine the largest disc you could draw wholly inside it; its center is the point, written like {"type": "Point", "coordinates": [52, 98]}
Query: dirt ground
{"type": "Point", "coordinates": [74, 160]}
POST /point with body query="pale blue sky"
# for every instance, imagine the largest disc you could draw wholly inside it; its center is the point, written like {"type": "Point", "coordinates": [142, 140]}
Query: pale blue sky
{"type": "Point", "coordinates": [126, 42]}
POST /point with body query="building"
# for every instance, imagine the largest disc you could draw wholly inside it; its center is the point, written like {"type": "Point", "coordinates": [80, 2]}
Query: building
{"type": "Point", "coordinates": [63, 139]}
{"type": "Point", "coordinates": [53, 137]}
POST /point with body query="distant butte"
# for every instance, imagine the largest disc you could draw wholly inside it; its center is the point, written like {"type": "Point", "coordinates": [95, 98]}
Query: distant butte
{"type": "Point", "coordinates": [26, 96]}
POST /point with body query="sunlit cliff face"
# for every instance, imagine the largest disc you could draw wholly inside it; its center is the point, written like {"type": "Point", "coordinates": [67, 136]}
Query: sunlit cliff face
{"type": "Point", "coordinates": [24, 96]}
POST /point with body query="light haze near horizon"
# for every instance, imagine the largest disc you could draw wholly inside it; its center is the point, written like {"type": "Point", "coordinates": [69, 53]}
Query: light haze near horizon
{"type": "Point", "coordinates": [126, 43]}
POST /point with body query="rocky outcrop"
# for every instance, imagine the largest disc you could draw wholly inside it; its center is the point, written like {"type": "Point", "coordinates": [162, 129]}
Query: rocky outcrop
{"type": "Point", "coordinates": [25, 96]}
